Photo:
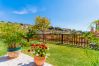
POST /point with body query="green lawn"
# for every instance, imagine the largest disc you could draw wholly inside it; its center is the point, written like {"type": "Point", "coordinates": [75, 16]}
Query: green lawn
{"type": "Point", "coordinates": [68, 56]}
{"type": "Point", "coordinates": [2, 48]}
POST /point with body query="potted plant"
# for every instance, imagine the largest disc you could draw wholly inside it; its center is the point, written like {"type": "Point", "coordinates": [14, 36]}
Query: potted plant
{"type": "Point", "coordinates": [11, 35]}
{"type": "Point", "coordinates": [40, 53]}
{"type": "Point", "coordinates": [14, 45]}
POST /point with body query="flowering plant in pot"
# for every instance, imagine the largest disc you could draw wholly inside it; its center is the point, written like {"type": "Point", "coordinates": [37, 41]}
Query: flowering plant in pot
{"type": "Point", "coordinates": [40, 53]}
{"type": "Point", "coordinates": [11, 35]}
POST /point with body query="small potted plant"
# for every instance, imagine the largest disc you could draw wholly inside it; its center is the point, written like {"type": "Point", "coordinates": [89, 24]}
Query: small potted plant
{"type": "Point", "coordinates": [14, 46]}
{"type": "Point", "coordinates": [11, 35]}
{"type": "Point", "coordinates": [40, 53]}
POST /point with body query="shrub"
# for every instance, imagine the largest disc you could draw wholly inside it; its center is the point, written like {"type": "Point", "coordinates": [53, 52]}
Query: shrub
{"type": "Point", "coordinates": [11, 34]}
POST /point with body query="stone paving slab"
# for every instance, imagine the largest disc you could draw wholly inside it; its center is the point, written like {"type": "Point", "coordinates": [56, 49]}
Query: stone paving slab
{"type": "Point", "coordinates": [22, 60]}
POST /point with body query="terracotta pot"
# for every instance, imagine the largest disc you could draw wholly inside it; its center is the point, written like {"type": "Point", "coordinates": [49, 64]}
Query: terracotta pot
{"type": "Point", "coordinates": [39, 61]}
{"type": "Point", "coordinates": [14, 54]}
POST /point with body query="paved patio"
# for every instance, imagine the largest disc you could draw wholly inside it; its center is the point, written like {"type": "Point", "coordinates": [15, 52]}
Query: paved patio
{"type": "Point", "coordinates": [22, 60]}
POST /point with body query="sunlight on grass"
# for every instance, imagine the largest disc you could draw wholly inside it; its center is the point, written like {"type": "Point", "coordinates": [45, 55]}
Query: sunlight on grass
{"type": "Point", "coordinates": [69, 56]}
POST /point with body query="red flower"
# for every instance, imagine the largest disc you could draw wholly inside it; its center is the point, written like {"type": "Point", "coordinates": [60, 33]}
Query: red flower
{"type": "Point", "coordinates": [37, 45]}
{"type": "Point", "coordinates": [42, 45]}
{"type": "Point", "coordinates": [33, 45]}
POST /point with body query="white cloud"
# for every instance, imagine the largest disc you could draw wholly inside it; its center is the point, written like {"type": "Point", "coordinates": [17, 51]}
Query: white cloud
{"type": "Point", "coordinates": [26, 10]}
{"type": "Point", "coordinates": [21, 12]}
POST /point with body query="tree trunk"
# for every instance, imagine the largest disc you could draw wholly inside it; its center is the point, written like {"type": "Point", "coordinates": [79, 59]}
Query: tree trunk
{"type": "Point", "coordinates": [43, 36]}
{"type": "Point", "coordinates": [28, 40]}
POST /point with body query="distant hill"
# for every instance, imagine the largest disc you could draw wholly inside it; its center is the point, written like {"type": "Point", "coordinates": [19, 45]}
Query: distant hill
{"type": "Point", "coordinates": [54, 30]}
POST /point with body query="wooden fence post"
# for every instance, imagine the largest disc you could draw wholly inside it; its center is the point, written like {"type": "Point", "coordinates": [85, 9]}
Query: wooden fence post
{"type": "Point", "coordinates": [62, 39]}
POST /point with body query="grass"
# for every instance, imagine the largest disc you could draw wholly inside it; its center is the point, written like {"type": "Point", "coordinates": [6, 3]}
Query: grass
{"type": "Point", "coordinates": [2, 48]}
{"type": "Point", "coordinates": [67, 56]}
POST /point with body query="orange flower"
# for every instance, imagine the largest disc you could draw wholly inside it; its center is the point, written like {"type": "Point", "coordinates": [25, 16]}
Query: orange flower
{"type": "Point", "coordinates": [45, 47]}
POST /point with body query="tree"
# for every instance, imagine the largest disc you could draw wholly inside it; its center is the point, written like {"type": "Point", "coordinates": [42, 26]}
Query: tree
{"type": "Point", "coordinates": [51, 28]}
{"type": "Point", "coordinates": [42, 24]}
{"type": "Point", "coordinates": [73, 31]}
{"type": "Point", "coordinates": [11, 34]}
{"type": "Point", "coordinates": [29, 34]}
{"type": "Point", "coordinates": [58, 28]}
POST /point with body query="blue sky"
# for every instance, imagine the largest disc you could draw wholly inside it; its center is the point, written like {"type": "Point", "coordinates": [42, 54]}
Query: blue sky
{"type": "Point", "coordinates": [74, 14]}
